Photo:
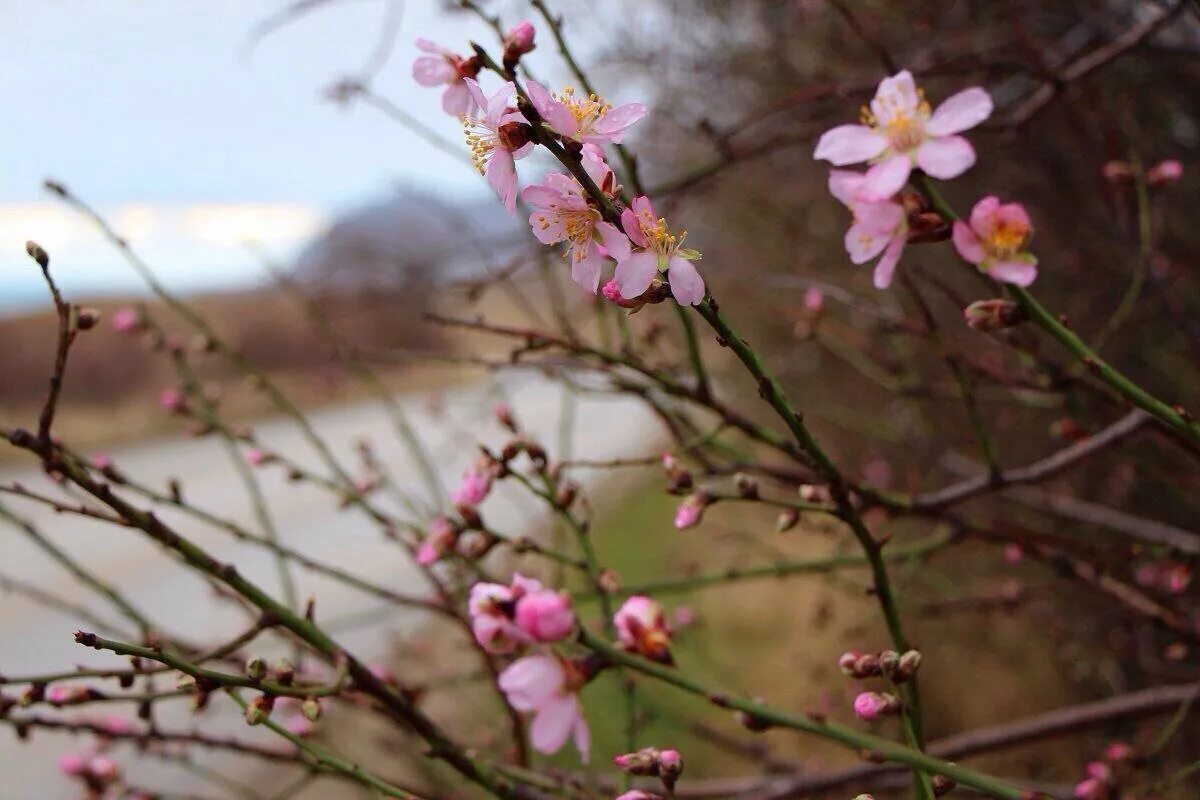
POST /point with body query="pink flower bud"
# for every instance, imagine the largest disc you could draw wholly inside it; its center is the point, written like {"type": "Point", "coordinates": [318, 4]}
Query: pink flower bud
{"type": "Point", "coordinates": [116, 725]}
{"type": "Point", "coordinates": [71, 764]}
{"type": "Point", "coordinates": [1164, 172]}
{"type": "Point", "coordinates": [545, 615]}
{"type": "Point", "coordinates": [814, 300]}
{"type": "Point", "coordinates": [440, 538]}
{"type": "Point", "coordinates": [127, 320]}
{"type": "Point", "coordinates": [172, 401]}
{"type": "Point", "coordinates": [103, 769]}
{"type": "Point", "coordinates": [846, 662]}
{"type": "Point", "coordinates": [993, 315]}
{"type": "Point", "coordinates": [670, 765]}
{"type": "Point", "coordinates": [642, 762]}
{"type": "Point", "coordinates": [689, 512]}
{"type": "Point", "coordinates": [504, 416]}
{"type": "Point", "coordinates": [473, 488]}
{"type": "Point", "coordinates": [1117, 752]}
{"type": "Point", "coordinates": [872, 705]}
{"type": "Point", "coordinates": [1089, 789]}
{"type": "Point", "coordinates": [256, 457]}
{"type": "Point", "coordinates": [638, 794]}
{"type": "Point", "coordinates": [1013, 553]}
{"type": "Point", "coordinates": [1116, 171]}
{"type": "Point", "coordinates": [1098, 770]}
{"type": "Point", "coordinates": [101, 462]}
{"type": "Point", "coordinates": [519, 40]}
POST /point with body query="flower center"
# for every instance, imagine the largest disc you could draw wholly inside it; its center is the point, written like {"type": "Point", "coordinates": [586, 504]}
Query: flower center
{"type": "Point", "coordinates": [903, 123]}
{"type": "Point", "coordinates": [585, 110]}
{"type": "Point", "coordinates": [661, 240]}
{"type": "Point", "coordinates": [1005, 239]}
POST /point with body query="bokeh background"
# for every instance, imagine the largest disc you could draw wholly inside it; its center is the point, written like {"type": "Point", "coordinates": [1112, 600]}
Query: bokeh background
{"type": "Point", "coordinates": [220, 139]}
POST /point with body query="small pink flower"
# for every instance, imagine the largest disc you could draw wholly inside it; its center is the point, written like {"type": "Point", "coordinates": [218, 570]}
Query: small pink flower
{"type": "Point", "coordinates": [1164, 172]}
{"type": "Point", "coordinates": [647, 248]}
{"type": "Point", "coordinates": [584, 119]}
{"type": "Point", "coordinates": [545, 615]}
{"type": "Point", "coordinates": [519, 40]}
{"type": "Point", "coordinates": [872, 705]}
{"type": "Point", "coordinates": [71, 764]}
{"type": "Point", "coordinates": [497, 134]}
{"type": "Point", "coordinates": [491, 607]}
{"type": "Point", "coordinates": [562, 212]}
{"type": "Point", "coordinates": [172, 401]}
{"type": "Point", "coordinates": [994, 240]}
{"type": "Point", "coordinates": [444, 68]}
{"type": "Point", "coordinates": [642, 628]}
{"type": "Point", "coordinates": [474, 487]}
{"type": "Point", "coordinates": [900, 132]}
{"type": "Point", "coordinates": [548, 687]}
{"type": "Point", "coordinates": [127, 320]}
{"type": "Point", "coordinates": [878, 228]}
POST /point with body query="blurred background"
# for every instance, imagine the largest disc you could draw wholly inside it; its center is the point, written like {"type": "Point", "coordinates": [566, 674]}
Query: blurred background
{"type": "Point", "coordinates": [267, 157]}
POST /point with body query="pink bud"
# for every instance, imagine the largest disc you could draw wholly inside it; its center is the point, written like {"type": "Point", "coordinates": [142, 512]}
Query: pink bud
{"type": "Point", "coordinates": [814, 300]}
{"type": "Point", "coordinates": [993, 315]}
{"type": "Point", "coordinates": [1089, 789]}
{"type": "Point", "coordinates": [670, 763]}
{"type": "Point", "coordinates": [101, 462]}
{"type": "Point", "coordinates": [103, 769]}
{"type": "Point", "coordinates": [127, 320]}
{"type": "Point", "coordinates": [519, 40]}
{"type": "Point", "coordinates": [1098, 770]}
{"type": "Point", "coordinates": [638, 794]}
{"type": "Point", "coordinates": [473, 488]}
{"type": "Point", "coordinates": [256, 457]}
{"type": "Point", "coordinates": [872, 705]}
{"type": "Point", "coordinates": [847, 661]}
{"type": "Point", "coordinates": [611, 292]}
{"type": "Point", "coordinates": [1164, 172]}
{"type": "Point", "coordinates": [172, 401]}
{"type": "Point", "coordinates": [1013, 553]}
{"type": "Point", "coordinates": [1116, 171]}
{"type": "Point", "coordinates": [1119, 751]}
{"type": "Point", "coordinates": [689, 512]}
{"type": "Point", "coordinates": [545, 615]}
{"type": "Point", "coordinates": [71, 764]}
{"type": "Point", "coordinates": [116, 725]}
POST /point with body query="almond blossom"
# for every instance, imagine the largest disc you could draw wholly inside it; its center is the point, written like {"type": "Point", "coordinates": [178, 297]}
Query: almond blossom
{"type": "Point", "coordinates": [497, 134]}
{"type": "Point", "coordinates": [584, 119]}
{"type": "Point", "coordinates": [994, 240]}
{"type": "Point", "coordinates": [657, 249]}
{"type": "Point", "coordinates": [642, 628]}
{"type": "Point", "coordinates": [548, 687]}
{"type": "Point", "coordinates": [900, 131]}
{"type": "Point", "coordinates": [562, 213]}
{"type": "Point", "coordinates": [545, 615]}
{"type": "Point", "coordinates": [490, 607]}
{"type": "Point", "coordinates": [879, 227]}
{"type": "Point", "coordinates": [443, 67]}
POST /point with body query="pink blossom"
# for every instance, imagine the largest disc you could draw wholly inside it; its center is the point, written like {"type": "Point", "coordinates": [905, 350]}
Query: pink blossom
{"type": "Point", "coordinates": [545, 615]}
{"type": "Point", "coordinates": [878, 228]}
{"type": "Point", "coordinates": [490, 607]}
{"type": "Point", "coordinates": [994, 240]}
{"type": "Point", "coordinates": [548, 687]}
{"type": "Point", "coordinates": [474, 487]}
{"type": "Point", "coordinates": [1013, 553]}
{"type": "Point", "coordinates": [256, 457]}
{"type": "Point", "coordinates": [638, 794]}
{"type": "Point", "coordinates": [127, 320]}
{"type": "Point", "coordinates": [71, 764]}
{"type": "Point", "coordinates": [61, 694]}
{"type": "Point", "coordinates": [116, 724]}
{"type": "Point", "coordinates": [562, 213]}
{"type": "Point", "coordinates": [1164, 172]}
{"type": "Point", "coordinates": [642, 628]}
{"type": "Point", "coordinates": [872, 705]}
{"type": "Point", "coordinates": [689, 512]}
{"type": "Point", "coordinates": [497, 135]}
{"type": "Point", "coordinates": [172, 401]}
{"type": "Point", "coordinates": [1119, 751]}
{"type": "Point", "coordinates": [519, 40]}
{"type": "Point", "coordinates": [440, 538]}
{"type": "Point", "coordinates": [814, 300]}
{"type": "Point", "coordinates": [647, 248]}
{"type": "Point", "coordinates": [584, 119]}
{"type": "Point", "coordinates": [444, 68]}
{"type": "Point", "coordinates": [900, 131]}
{"type": "Point", "coordinates": [1098, 770]}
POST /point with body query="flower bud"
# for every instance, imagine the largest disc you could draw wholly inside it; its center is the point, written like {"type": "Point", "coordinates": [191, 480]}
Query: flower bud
{"type": "Point", "coordinates": [1090, 789]}
{"type": "Point", "coordinates": [1116, 171]}
{"type": "Point", "coordinates": [172, 401]}
{"type": "Point", "coordinates": [993, 315]}
{"type": "Point", "coordinates": [1117, 752]}
{"type": "Point", "coordinates": [545, 615]}
{"type": "Point", "coordinates": [259, 709]}
{"type": "Point", "coordinates": [504, 416]}
{"type": "Point", "coordinates": [787, 520]}
{"type": "Point", "coordinates": [942, 785]}
{"type": "Point", "coordinates": [311, 709]}
{"type": "Point", "coordinates": [847, 661]}
{"type": "Point", "coordinates": [38, 254]}
{"type": "Point", "coordinates": [642, 762]}
{"type": "Point", "coordinates": [910, 662]}
{"type": "Point", "coordinates": [1164, 172]}
{"type": "Point", "coordinates": [691, 510]}
{"type": "Point", "coordinates": [87, 318]}
{"type": "Point", "coordinates": [285, 672]}
{"type": "Point", "coordinates": [746, 486]}
{"type": "Point", "coordinates": [519, 40]}
{"type": "Point", "coordinates": [103, 770]}
{"type": "Point", "coordinates": [869, 706]}
{"type": "Point", "coordinates": [670, 767]}
{"type": "Point", "coordinates": [256, 669]}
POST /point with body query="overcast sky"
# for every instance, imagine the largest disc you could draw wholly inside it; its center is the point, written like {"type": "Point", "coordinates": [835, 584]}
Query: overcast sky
{"type": "Point", "coordinates": [158, 114]}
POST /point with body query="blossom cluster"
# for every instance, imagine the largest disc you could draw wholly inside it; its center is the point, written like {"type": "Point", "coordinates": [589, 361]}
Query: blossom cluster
{"type": "Point", "coordinates": [567, 208]}
{"type": "Point", "coordinates": [900, 133]}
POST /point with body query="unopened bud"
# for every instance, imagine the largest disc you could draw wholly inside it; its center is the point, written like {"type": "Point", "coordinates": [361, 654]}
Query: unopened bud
{"type": "Point", "coordinates": [285, 673]}
{"type": "Point", "coordinates": [256, 669]}
{"type": "Point", "coordinates": [87, 318]}
{"type": "Point", "coordinates": [872, 705]}
{"type": "Point", "coordinates": [942, 785]}
{"type": "Point", "coordinates": [1164, 172]}
{"type": "Point", "coordinates": [642, 762]}
{"type": "Point", "coordinates": [504, 416]}
{"type": "Point", "coordinates": [38, 254]}
{"type": "Point", "coordinates": [565, 495]}
{"type": "Point", "coordinates": [787, 519]}
{"type": "Point", "coordinates": [993, 315]}
{"type": "Point", "coordinates": [259, 709]}
{"type": "Point", "coordinates": [670, 767]}
{"type": "Point", "coordinates": [517, 42]}
{"type": "Point", "coordinates": [910, 662]}
{"type": "Point", "coordinates": [185, 683]}
{"type": "Point", "coordinates": [746, 486]}
{"type": "Point", "coordinates": [311, 709]}
{"type": "Point", "coordinates": [1116, 171]}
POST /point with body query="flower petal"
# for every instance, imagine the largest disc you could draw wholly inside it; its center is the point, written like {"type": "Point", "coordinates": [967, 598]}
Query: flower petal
{"type": "Point", "coordinates": [863, 243]}
{"type": "Point", "coordinates": [849, 144]}
{"type": "Point", "coordinates": [613, 240]}
{"type": "Point", "coordinates": [634, 274]}
{"type": "Point", "coordinates": [846, 185]}
{"type": "Point", "coordinates": [612, 126]}
{"type": "Point", "coordinates": [887, 265]}
{"type": "Point", "coordinates": [582, 737]}
{"type": "Point", "coordinates": [586, 271]}
{"type": "Point", "coordinates": [457, 100]}
{"type": "Point", "coordinates": [554, 723]}
{"type": "Point", "coordinates": [433, 71]}
{"type": "Point", "coordinates": [896, 97]}
{"type": "Point", "coordinates": [686, 283]}
{"type": "Point", "coordinates": [432, 47]}
{"type": "Point", "coordinates": [629, 222]}
{"type": "Point", "coordinates": [967, 243]}
{"type": "Point", "coordinates": [887, 178]}
{"type": "Point", "coordinates": [477, 94]}
{"type": "Point", "coordinates": [946, 158]}
{"type": "Point", "coordinates": [501, 175]}
{"type": "Point", "coordinates": [1021, 273]}
{"type": "Point", "coordinates": [530, 682]}
{"type": "Point", "coordinates": [557, 115]}
{"type": "Point", "coordinates": [960, 112]}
